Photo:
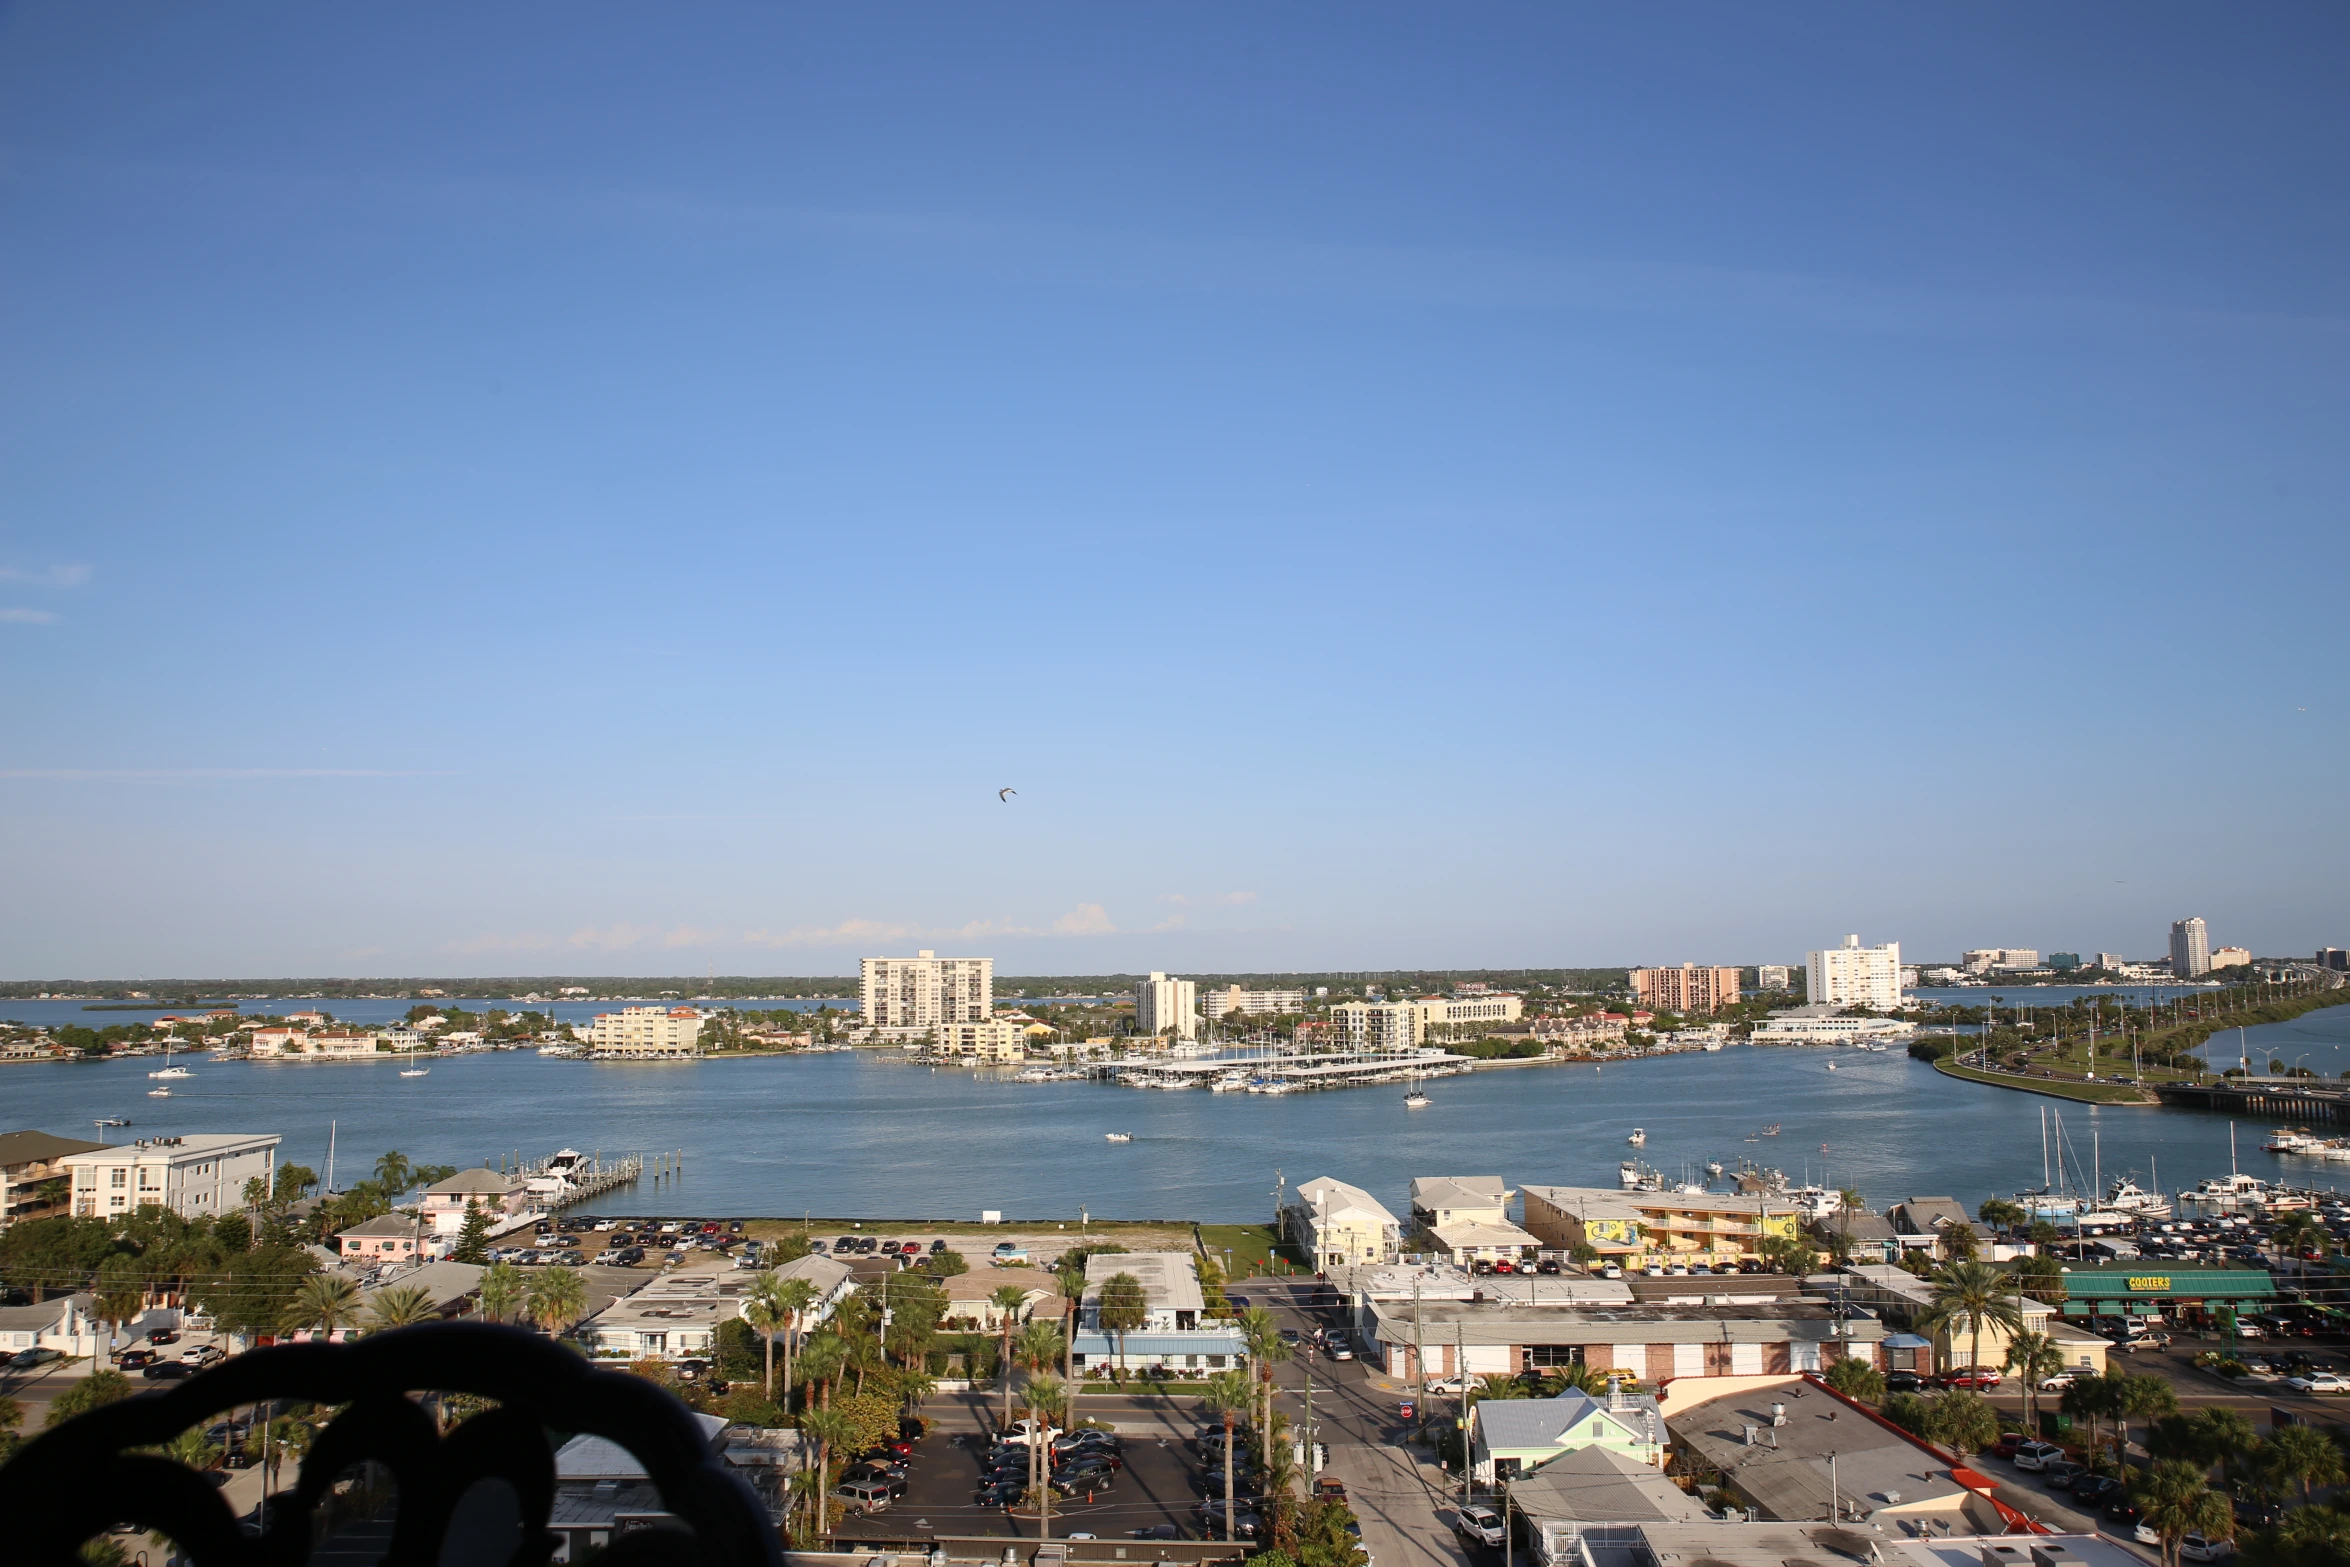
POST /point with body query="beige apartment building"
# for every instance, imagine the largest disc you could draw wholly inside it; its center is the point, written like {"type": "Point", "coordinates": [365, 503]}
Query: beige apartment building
{"type": "Point", "coordinates": [196, 1177]}
{"type": "Point", "coordinates": [34, 1181]}
{"type": "Point", "coordinates": [1435, 1012]}
{"type": "Point", "coordinates": [647, 1033]}
{"type": "Point", "coordinates": [925, 990]}
{"type": "Point", "coordinates": [1252, 1003]}
{"type": "Point", "coordinates": [997, 1039]}
{"type": "Point", "coordinates": [1688, 988]}
{"type": "Point", "coordinates": [1637, 1228]}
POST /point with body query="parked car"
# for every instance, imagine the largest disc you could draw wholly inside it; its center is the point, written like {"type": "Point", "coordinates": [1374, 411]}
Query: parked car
{"type": "Point", "coordinates": [2060, 1473]}
{"type": "Point", "coordinates": [1340, 1351]}
{"type": "Point", "coordinates": [2008, 1442]}
{"type": "Point", "coordinates": [168, 1371]}
{"type": "Point", "coordinates": [862, 1496]}
{"type": "Point", "coordinates": [1001, 1493]}
{"type": "Point", "coordinates": [203, 1355]}
{"type": "Point", "coordinates": [1904, 1382]}
{"type": "Point", "coordinates": [2318, 1382]}
{"type": "Point", "coordinates": [162, 1336]}
{"type": "Point", "coordinates": [2195, 1548]}
{"type": "Point", "coordinates": [1329, 1489]}
{"type": "Point", "coordinates": [874, 1474]}
{"type": "Point", "coordinates": [1980, 1378]}
{"type": "Point", "coordinates": [2059, 1381]}
{"type": "Point", "coordinates": [2037, 1455]}
{"type": "Point", "coordinates": [1157, 1531]}
{"type": "Point", "coordinates": [2097, 1490]}
{"type": "Point", "coordinates": [27, 1359]}
{"type": "Point", "coordinates": [133, 1359]}
{"type": "Point", "coordinates": [1479, 1525]}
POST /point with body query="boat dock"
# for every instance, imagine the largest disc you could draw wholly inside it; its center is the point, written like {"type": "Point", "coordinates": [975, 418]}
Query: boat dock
{"type": "Point", "coordinates": [1260, 1072]}
{"type": "Point", "coordinates": [569, 1176]}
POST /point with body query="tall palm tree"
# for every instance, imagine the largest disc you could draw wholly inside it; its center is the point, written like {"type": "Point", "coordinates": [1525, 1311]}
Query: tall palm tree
{"type": "Point", "coordinates": [1038, 1349]}
{"type": "Point", "coordinates": [2304, 1454]}
{"type": "Point", "coordinates": [1266, 1350]}
{"type": "Point", "coordinates": [821, 1361]}
{"type": "Point", "coordinates": [2145, 1398]}
{"type": "Point", "coordinates": [1046, 1399]}
{"type": "Point", "coordinates": [2225, 1436]}
{"type": "Point", "coordinates": [328, 1303]}
{"type": "Point", "coordinates": [795, 1298]}
{"type": "Point", "coordinates": [1072, 1282]}
{"type": "Point", "coordinates": [499, 1293]}
{"type": "Point", "coordinates": [2034, 1358]}
{"type": "Point", "coordinates": [556, 1299]}
{"type": "Point", "coordinates": [119, 1295]}
{"type": "Point", "coordinates": [766, 1318]}
{"type": "Point", "coordinates": [2175, 1503]}
{"type": "Point", "coordinates": [1969, 1295]}
{"type": "Point", "coordinates": [1007, 1301]}
{"type": "Point", "coordinates": [402, 1306]}
{"type": "Point", "coordinates": [394, 1173]}
{"type": "Point", "coordinates": [2093, 1399]}
{"type": "Point", "coordinates": [1228, 1394]}
{"type": "Point", "coordinates": [828, 1429]}
{"type": "Point", "coordinates": [2299, 1232]}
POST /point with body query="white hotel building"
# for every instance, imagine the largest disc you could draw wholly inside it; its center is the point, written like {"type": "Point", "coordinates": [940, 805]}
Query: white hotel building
{"type": "Point", "coordinates": [1856, 976]}
{"type": "Point", "coordinates": [1161, 1004]}
{"type": "Point", "coordinates": [647, 1033]}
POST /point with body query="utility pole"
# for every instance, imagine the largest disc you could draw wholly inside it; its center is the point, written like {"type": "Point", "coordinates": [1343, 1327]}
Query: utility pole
{"type": "Point", "coordinates": [1460, 1371]}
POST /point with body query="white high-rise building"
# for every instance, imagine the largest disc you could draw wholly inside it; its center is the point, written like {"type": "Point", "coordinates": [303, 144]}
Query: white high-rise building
{"type": "Point", "coordinates": [1770, 976]}
{"type": "Point", "coordinates": [1253, 1003]}
{"type": "Point", "coordinates": [2190, 948]}
{"type": "Point", "coordinates": [926, 990]}
{"type": "Point", "coordinates": [1161, 1003]}
{"type": "Point", "coordinates": [1856, 976]}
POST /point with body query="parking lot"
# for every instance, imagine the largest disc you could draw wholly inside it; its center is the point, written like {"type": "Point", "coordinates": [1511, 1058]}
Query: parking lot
{"type": "Point", "coordinates": [1161, 1485]}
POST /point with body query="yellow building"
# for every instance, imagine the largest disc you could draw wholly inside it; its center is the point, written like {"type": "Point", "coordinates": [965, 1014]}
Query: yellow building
{"type": "Point", "coordinates": [995, 1040]}
{"type": "Point", "coordinates": [1638, 1228]}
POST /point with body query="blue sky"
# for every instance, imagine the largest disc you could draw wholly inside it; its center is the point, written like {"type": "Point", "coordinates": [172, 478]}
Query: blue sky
{"type": "Point", "coordinates": [575, 488]}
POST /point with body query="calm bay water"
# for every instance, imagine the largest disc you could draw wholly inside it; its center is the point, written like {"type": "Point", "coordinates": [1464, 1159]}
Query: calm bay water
{"type": "Point", "coordinates": [864, 1135]}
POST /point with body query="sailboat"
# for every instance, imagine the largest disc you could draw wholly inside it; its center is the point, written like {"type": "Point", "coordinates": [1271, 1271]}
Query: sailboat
{"type": "Point", "coordinates": [170, 1071]}
{"type": "Point", "coordinates": [1413, 1099]}
{"type": "Point", "coordinates": [416, 1071]}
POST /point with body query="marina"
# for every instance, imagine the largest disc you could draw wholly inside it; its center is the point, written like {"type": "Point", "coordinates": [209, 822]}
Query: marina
{"type": "Point", "coordinates": [783, 1134]}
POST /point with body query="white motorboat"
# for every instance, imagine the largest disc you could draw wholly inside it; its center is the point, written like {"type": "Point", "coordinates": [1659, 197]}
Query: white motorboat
{"type": "Point", "coordinates": [1118, 1137]}
{"type": "Point", "coordinates": [1230, 1082]}
{"type": "Point", "coordinates": [2127, 1196]}
{"type": "Point", "coordinates": [1639, 1138]}
{"type": "Point", "coordinates": [416, 1071]}
{"type": "Point", "coordinates": [159, 1093]}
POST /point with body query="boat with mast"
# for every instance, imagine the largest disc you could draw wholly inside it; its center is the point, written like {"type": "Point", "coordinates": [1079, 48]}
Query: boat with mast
{"type": "Point", "coordinates": [1413, 1097]}
{"type": "Point", "coordinates": [170, 1071]}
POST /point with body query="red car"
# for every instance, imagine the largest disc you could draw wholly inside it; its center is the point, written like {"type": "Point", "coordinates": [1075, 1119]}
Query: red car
{"type": "Point", "coordinates": [2008, 1442]}
{"type": "Point", "coordinates": [1982, 1378]}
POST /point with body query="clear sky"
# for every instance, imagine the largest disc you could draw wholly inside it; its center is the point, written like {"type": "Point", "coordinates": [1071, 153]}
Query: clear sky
{"type": "Point", "coordinates": [599, 488]}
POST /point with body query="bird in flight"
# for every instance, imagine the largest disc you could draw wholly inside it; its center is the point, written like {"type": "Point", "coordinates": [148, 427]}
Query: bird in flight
{"type": "Point", "coordinates": [1005, 795]}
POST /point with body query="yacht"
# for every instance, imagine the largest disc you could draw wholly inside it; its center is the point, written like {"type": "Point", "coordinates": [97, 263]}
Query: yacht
{"type": "Point", "coordinates": [2127, 1196]}
{"type": "Point", "coordinates": [1713, 1167]}
{"type": "Point", "coordinates": [2237, 1190]}
{"type": "Point", "coordinates": [1230, 1082]}
{"type": "Point", "coordinates": [169, 1070]}
{"type": "Point", "coordinates": [2293, 1139]}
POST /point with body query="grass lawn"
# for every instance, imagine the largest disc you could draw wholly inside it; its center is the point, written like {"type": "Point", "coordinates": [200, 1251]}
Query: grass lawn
{"type": "Point", "coordinates": [1252, 1249]}
{"type": "Point", "coordinates": [2055, 1087]}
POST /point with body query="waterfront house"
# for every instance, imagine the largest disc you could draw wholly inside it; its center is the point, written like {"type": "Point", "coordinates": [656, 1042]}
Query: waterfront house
{"type": "Point", "coordinates": [1638, 1228]}
{"type": "Point", "coordinates": [1177, 1333]}
{"type": "Point", "coordinates": [1339, 1226]}
{"type": "Point", "coordinates": [387, 1238]}
{"type": "Point", "coordinates": [34, 1182]}
{"type": "Point", "coordinates": [1511, 1437]}
{"type": "Point", "coordinates": [280, 1041]}
{"type": "Point", "coordinates": [971, 1303]}
{"type": "Point", "coordinates": [500, 1196]}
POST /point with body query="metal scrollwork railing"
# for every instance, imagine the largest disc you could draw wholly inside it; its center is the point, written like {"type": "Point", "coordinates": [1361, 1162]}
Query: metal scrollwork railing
{"type": "Point", "coordinates": [479, 1497]}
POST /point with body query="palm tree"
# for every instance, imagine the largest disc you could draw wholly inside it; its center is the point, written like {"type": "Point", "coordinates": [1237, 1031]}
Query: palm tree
{"type": "Point", "coordinates": [2034, 1358]}
{"type": "Point", "coordinates": [795, 1298]}
{"type": "Point", "coordinates": [2299, 1232]}
{"type": "Point", "coordinates": [328, 1303]}
{"type": "Point", "coordinates": [403, 1306]}
{"type": "Point", "coordinates": [556, 1299]}
{"type": "Point", "coordinates": [2225, 1436]}
{"type": "Point", "coordinates": [499, 1293]}
{"type": "Point", "coordinates": [1266, 1349]}
{"type": "Point", "coordinates": [1122, 1309]}
{"type": "Point", "coordinates": [1969, 1295]}
{"type": "Point", "coordinates": [2142, 1397]}
{"type": "Point", "coordinates": [1047, 1401]}
{"type": "Point", "coordinates": [1007, 1301]}
{"type": "Point", "coordinates": [394, 1173]}
{"type": "Point", "coordinates": [120, 1294]}
{"type": "Point", "coordinates": [828, 1429]}
{"type": "Point", "coordinates": [1038, 1349]}
{"type": "Point", "coordinates": [1072, 1282]}
{"type": "Point", "coordinates": [821, 1361]}
{"type": "Point", "coordinates": [2304, 1454]}
{"type": "Point", "coordinates": [2175, 1503]}
{"type": "Point", "coordinates": [2092, 1399]}
{"type": "Point", "coordinates": [1228, 1394]}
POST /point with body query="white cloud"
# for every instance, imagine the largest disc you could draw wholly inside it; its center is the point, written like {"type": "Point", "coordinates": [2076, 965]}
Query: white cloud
{"type": "Point", "coordinates": [49, 577]}
{"type": "Point", "coordinates": [1184, 900]}
{"type": "Point", "coordinates": [1087, 919]}
{"type": "Point", "coordinates": [26, 617]}
{"type": "Point", "coordinates": [847, 933]}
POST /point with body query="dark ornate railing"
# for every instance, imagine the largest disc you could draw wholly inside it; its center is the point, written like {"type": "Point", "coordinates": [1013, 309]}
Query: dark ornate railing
{"type": "Point", "coordinates": [479, 1497]}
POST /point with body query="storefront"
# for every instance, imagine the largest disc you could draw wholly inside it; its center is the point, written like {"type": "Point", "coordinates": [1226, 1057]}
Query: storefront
{"type": "Point", "coordinates": [2190, 1295]}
